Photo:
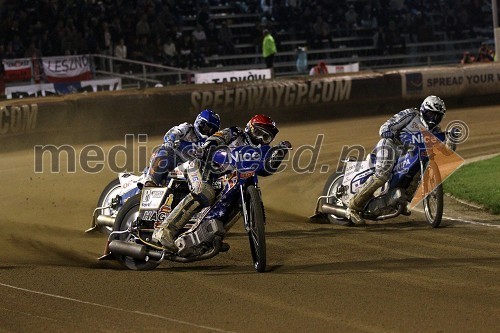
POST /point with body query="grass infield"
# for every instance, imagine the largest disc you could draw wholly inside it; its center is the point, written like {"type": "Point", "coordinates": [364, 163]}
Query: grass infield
{"type": "Point", "coordinates": [478, 182]}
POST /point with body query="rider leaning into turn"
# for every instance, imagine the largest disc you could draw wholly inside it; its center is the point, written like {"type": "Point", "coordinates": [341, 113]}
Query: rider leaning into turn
{"type": "Point", "coordinates": [165, 158]}
{"type": "Point", "coordinates": [432, 111]}
{"type": "Point", "coordinates": [260, 130]}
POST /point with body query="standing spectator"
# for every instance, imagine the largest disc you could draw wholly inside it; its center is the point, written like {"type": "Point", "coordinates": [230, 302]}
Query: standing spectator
{"type": "Point", "coordinates": [302, 60]}
{"type": "Point", "coordinates": [368, 20]}
{"type": "Point", "coordinates": [105, 43]}
{"type": "Point", "coordinates": [121, 49]}
{"type": "Point", "coordinates": [157, 51]}
{"type": "Point", "coordinates": [351, 20]}
{"type": "Point", "coordinates": [46, 45]}
{"type": "Point", "coordinates": [268, 48]}
{"type": "Point", "coordinates": [379, 41]}
{"type": "Point", "coordinates": [105, 39]}
{"type": "Point", "coordinates": [212, 39]}
{"type": "Point", "coordinates": [158, 29]}
{"type": "Point", "coordinates": [198, 52]}
{"type": "Point", "coordinates": [203, 17]}
{"type": "Point", "coordinates": [9, 52]}
{"type": "Point", "coordinates": [185, 52]}
{"type": "Point", "coordinates": [267, 8]}
{"type": "Point", "coordinates": [142, 27]}
{"type": "Point", "coordinates": [226, 38]}
{"type": "Point", "coordinates": [170, 52]}
{"type": "Point", "coordinates": [121, 53]}
{"type": "Point", "coordinates": [485, 54]}
{"type": "Point", "coordinates": [467, 58]}
{"type": "Point", "coordinates": [199, 35]}
{"type": "Point", "coordinates": [321, 31]}
{"type": "Point", "coordinates": [319, 69]}
{"type": "Point", "coordinates": [32, 51]}
{"type": "Point", "coordinates": [177, 35]}
{"type": "Point", "coordinates": [116, 27]}
{"type": "Point", "coordinates": [256, 36]}
{"type": "Point", "coordinates": [148, 49]}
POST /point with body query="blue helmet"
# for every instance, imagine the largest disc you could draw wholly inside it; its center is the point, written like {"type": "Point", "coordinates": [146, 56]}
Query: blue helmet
{"type": "Point", "coordinates": [206, 123]}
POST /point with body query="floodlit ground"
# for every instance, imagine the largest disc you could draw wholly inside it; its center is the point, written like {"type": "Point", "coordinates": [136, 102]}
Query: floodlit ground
{"type": "Point", "coordinates": [394, 276]}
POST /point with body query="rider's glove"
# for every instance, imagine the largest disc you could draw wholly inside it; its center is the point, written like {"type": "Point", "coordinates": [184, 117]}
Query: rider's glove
{"type": "Point", "coordinates": [285, 144]}
{"type": "Point", "coordinates": [169, 144]}
{"type": "Point", "coordinates": [199, 152]}
{"type": "Point", "coordinates": [387, 135]}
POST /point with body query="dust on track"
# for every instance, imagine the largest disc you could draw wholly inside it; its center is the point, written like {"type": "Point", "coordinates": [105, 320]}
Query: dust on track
{"type": "Point", "coordinates": [383, 277]}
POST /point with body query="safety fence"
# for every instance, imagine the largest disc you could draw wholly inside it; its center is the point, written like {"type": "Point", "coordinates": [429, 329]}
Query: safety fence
{"type": "Point", "coordinates": [104, 115]}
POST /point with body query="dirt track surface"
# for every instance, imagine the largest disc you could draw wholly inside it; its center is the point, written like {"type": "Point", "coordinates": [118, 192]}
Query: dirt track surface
{"type": "Point", "coordinates": [395, 276]}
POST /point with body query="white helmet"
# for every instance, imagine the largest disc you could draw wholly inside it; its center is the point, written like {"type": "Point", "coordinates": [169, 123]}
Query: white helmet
{"type": "Point", "coordinates": [432, 111]}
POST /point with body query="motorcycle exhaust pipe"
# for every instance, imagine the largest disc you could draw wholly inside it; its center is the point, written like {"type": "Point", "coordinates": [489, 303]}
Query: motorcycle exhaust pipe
{"type": "Point", "coordinates": [333, 209]}
{"type": "Point", "coordinates": [105, 220]}
{"type": "Point", "coordinates": [135, 251]}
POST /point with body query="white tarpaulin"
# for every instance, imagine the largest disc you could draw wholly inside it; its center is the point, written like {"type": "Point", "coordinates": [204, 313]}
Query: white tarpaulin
{"type": "Point", "coordinates": [233, 76]}
{"type": "Point", "coordinates": [343, 68]}
{"type": "Point", "coordinates": [36, 90]}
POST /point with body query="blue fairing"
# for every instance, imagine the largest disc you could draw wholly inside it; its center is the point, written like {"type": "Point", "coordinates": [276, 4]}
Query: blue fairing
{"type": "Point", "coordinates": [247, 160]}
{"type": "Point", "coordinates": [409, 164]}
{"type": "Point", "coordinates": [187, 148]}
{"type": "Point", "coordinates": [244, 158]}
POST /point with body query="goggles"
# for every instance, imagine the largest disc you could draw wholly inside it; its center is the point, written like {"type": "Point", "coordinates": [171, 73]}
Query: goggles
{"type": "Point", "coordinates": [206, 128]}
{"type": "Point", "coordinates": [433, 118]}
{"type": "Point", "coordinates": [262, 135]}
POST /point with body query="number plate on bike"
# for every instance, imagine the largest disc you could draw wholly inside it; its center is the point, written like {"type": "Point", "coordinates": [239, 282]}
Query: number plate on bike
{"type": "Point", "coordinates": [152, 197]}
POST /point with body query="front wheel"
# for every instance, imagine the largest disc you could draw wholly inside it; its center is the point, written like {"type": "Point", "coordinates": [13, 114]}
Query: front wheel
{"type": "Point", "coordinates": [331, 187]}
{"type": "Point", "coordinates": [433, 202]}
{"type": "Point", "coordinates": [126, 216]}
{"type": "Point", "coordinates": [256, 223]}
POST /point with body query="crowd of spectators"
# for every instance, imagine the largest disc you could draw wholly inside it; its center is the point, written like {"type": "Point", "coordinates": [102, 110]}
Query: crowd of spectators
{"type": "Point", "coordinates": [157, 30]}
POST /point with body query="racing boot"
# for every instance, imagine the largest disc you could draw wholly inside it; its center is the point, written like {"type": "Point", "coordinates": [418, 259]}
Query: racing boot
{"type": "Point", "coordinates": [410, 193]}
{"type": "Point", "coordinates": [359, 200]}
{"type": "Point", "coordinates": [406, 210]}
{"type": "Point", "coordinates": [180, 215]}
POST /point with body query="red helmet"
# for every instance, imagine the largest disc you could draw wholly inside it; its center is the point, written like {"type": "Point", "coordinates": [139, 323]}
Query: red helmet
{"type": "Point", "coordinates": [261, 129]}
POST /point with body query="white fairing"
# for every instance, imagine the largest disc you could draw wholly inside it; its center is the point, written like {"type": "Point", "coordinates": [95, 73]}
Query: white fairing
{"type": "Point", "coordinates": [354, 171]}
{"type": "Point", "coordinates": [129, 181]}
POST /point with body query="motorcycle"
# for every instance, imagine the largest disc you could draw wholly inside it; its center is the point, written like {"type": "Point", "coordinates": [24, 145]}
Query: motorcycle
{"type": "Point", "coordinates": [120, 189]}
{"type": "Point", "coordinates": [415, 166]}
{"type": "Point", "coordinates": [237, 194]}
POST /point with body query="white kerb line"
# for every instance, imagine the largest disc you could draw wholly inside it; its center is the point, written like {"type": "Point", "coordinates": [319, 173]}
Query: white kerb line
{"type": "Point", "coordinates": [114, 308]}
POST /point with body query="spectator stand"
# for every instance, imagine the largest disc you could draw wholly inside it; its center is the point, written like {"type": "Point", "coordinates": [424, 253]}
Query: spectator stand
{"type": "Point", "coordinates": [378, 34]}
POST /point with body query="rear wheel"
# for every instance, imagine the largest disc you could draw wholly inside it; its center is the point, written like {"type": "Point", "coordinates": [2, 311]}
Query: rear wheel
{"type": "Point", "coordinates": [256, 222]}
{"type": "Point", "coordinates": [433, 202]}
{"type": "Point", "coordinates": [331, 187]}
{"type": "Point", "coordinates": [108, 194]}
{"type": "Point", "coordinates": [126, 216]}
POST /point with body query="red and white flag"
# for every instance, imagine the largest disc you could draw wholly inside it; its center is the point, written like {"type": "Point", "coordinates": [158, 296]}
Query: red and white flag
{"type": "Point", "coordinates": [67, 69]}
{"type": "Point", "coordinates": [17, 69]}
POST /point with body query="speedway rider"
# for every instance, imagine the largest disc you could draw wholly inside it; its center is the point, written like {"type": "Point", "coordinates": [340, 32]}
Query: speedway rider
{"type": "Point", "coordinates": [432, 111]}
{"type": "Point", "coordinates": [169, 155]}
{"type": "Point", "coordinates": [260, 130]}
